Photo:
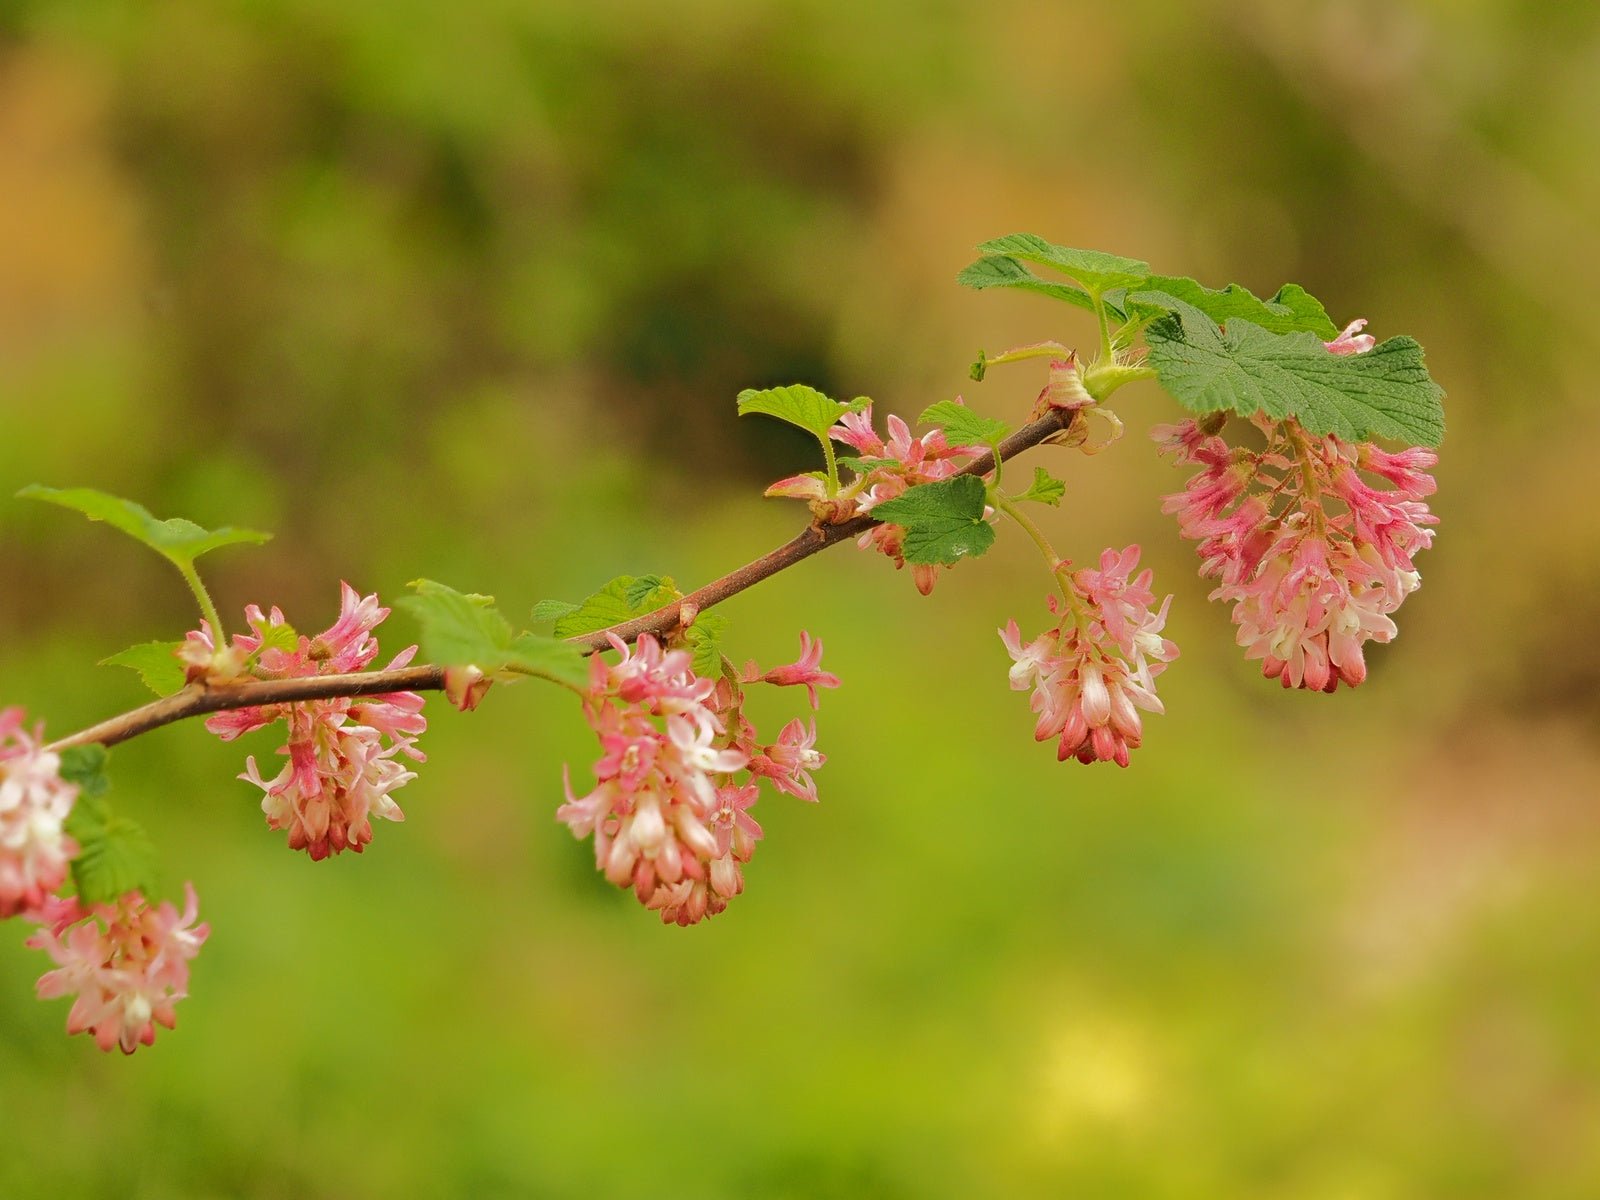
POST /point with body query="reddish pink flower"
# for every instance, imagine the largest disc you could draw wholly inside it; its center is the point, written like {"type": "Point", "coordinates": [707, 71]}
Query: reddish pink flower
{"type": "Point", "coordinates": [669, 812]}
{"type": "Point", "coordinates": [805, 671]}
{"type": "Point", "coordinates": [1310, 584]}
{"type": "Point", "coordinates": [34, 802]}
{"type": "Point", "coordinates": [1094, 671]}
{"type": "Point", "coordinates": [341, 753]}
{"type": "Point", "coordinates": [126, 962]}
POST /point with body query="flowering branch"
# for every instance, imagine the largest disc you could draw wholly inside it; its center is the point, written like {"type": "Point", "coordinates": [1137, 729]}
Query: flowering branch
{"type": "Point", "coordinates": [1310, 537]}
{"type": "Point", "coordinates": [201, 699]}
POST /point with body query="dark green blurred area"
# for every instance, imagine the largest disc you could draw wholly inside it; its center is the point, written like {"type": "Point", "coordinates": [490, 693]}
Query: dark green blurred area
{"type": "Point", "coordinates": [467, 291]}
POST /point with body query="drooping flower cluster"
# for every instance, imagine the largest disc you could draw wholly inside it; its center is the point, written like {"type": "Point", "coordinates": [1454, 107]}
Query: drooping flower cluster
{"type": "Point", "coordinates": [34, 802]}
{"type": "Point", "coordinates": [1095, 669]}
{"type": "Point", "coordinates": [1312, 556]}
{"type": "Point", "coordinates": [342, 753]}
{"type": "Point", "coordinates": [888, 469]}
{"type": "Point", "coordinates": [677, 777]}
{"type": "Point", "coordinates": [126, 962]}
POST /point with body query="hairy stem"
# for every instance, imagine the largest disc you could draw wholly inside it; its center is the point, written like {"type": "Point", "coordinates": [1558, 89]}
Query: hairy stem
{"type": "Point", "coordinates": [201, 699]}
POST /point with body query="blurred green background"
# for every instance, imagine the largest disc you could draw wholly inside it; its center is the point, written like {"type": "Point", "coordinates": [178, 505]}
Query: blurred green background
{"type": "Point", "coordinates": [467, 291]}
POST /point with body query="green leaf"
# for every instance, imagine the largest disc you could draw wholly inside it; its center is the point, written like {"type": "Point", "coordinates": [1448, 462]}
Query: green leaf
{"type": "Point", "coordinates": [625, 597]}
{"type": "Point", "coordinates": [705, 639]}
{"type": "Point", "coordinates": [865, 466]}
{"type": "Point", "coordinates": [177, 540]}
{"type": "Point", "coordinates": [1046, 488]}
{"type": "Point", "coordinates": [459, 629]}
{"type": "Point", "coordinates": [962, 426]}
{"type": "Point", "coordinates": [280, 637]}
{"type": "Point", "coordinates": [553, 610]}
{"type": "Point", "coordinates": [798, 405]}
{"type": "Point", "coordinates": [156, 663]}
{"type": "Point", "coordinates": [1096, 270]}
{"type": "Point", "coordinates": [943, 521]}
{"type": "Point", "coordinates": [86, 767]}
{"type": "Point", "coordinates": [464, 629]}
{"type": "Point", "coordinates": [1385, 392]}
{"type": "Point", "coordinates": [114, 853]}
{"type": "Point", "coordinates": [996, 270]}
{"type": "Point", "coordinates": [1293, 308]}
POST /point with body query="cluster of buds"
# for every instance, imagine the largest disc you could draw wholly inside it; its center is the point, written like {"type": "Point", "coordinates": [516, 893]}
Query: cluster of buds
{"type": "Point", "coordinates": [670, 811]}
{"type": "Point", "coordinates": [126, 963]}
{"type": "Point", "coordinates": [1310, 584]}
{"type": "Point", "coordinates": [886, 469]}
{"type": "Point", "coordinates": [1094, 670]}
{"type": "Point", "coordinates": [342, 752]}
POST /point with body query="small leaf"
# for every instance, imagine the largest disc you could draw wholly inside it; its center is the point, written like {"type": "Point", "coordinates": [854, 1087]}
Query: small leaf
{"type": "Point", "coordinates": [178, 540]}
{"type": "Point", "coordinates": [458, 629]}
{"type": "Point", "coordinates": [865, 466]}
{"type": "Point", "coordinates": [280, 637]}
{"type": "Point", "coordinates": [464, 629]}
{"type": "Point", "coordinates": [798, 405]}
{"type": "Point", "coordinates": [624, 598]}
{"type": "Point", "coordinates": [1293, 308]}
{"type": "Point", "coordinates": [86, 767]}
{"type": "Point", "coordinates": [979, 367]}
{"type": "Point", "coordinates": [705, 639]}
{"type": "Point", "coordinates": [553, 610]}
{"type": "Point", "coordinates": [1385, 392]}
{"type": "Point", "coordinates": [1046, 488]}
{"type": "Point", "coordinates": [996, 270]}
{"type": "Point", "coordinates": [1096, 270]}
{"type": "Point", "coordinates": [115, 857]}
{"type": "Point", "coordinates": [943, 520]}
{"type": "Point", "coordinates": [156, 663]}
{"type": "Point", "coordinates": [962, 426]}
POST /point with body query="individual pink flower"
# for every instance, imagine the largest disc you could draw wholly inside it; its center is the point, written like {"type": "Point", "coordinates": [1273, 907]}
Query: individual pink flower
{"type": "Point", "coordinates": [1351, 340]}
{"type": "Point", "coordinates": [1094, 671]}
{"type": "Point", "coordinates": [1313, 557]}
{"type": "Point", "coordinates": [805, 671]}
{"type": "Point", "coordinates": [126, 962]}
{"type": "Point", "coordinates": [342, 753]}
{"type": "Point", "coordinates": [791, 759]}
{"type": "Point", "coordinates": [35, 852]}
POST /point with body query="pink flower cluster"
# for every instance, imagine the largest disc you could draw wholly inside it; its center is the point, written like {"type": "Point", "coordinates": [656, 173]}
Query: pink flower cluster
{"type": "Point", "coordinates": [1095, 669]}
{"type": "Point", "coordinates": [126, 962]}
{"type": "Point", "coordinates": [1313, 557]}
{"type": "Point", "coordinates": [34, 802]}
{"type": "Point", "coordinates": [901, 462]}
{"type": "Point", "coordinates": [670, 812]}
{"type": "Point", "coordinates": [342, 752]}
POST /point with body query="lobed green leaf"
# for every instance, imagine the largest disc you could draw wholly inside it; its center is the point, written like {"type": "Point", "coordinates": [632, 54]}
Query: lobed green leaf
{"type": "Point", "coordinates": [1046, 488]}
{"type": "Point", "coordinates": [1385, 392]}
{"type": "Point", "coordinates": [798, 405]}
{"type": "Point", "coordinates": [178, 540]}
{"type": "Point", "coordinates": [962, 426]}
{"type": "Point", "coordinates": [86, 767]}
{"type": "Point", "coordinates": [705, 639]}
{"type": "Point", "coordinates": [1096, 270]}
{"type": "Point", "coordinates": [625, 597]}
{"type": "Point", "coordinates": [156, 663]}
{"type": "Point", "coordinates": [943, 520]}
{"type": "Point", "coordinates": [465, 629]}
{"type": "Point", "coordinates": [1291, 310]}
{"type": "Point", "coordinates": [996, 270]}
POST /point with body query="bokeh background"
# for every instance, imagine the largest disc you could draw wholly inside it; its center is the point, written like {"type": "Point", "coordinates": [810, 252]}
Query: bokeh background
{"type": "Point", "coordinates": [467, 291]}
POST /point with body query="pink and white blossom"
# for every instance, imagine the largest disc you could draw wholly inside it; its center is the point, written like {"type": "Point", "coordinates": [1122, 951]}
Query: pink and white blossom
{"type": "Point", "coordinates": [1313, 557]}
{"type": "Point", "coordinates": [1094, 671]}
{"type": "Point", "coordinates": [126, 962]}
{"type": "Point", "coordinates": [35, 851]}
{"type": "Point", "coordinates": [343, 753]}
